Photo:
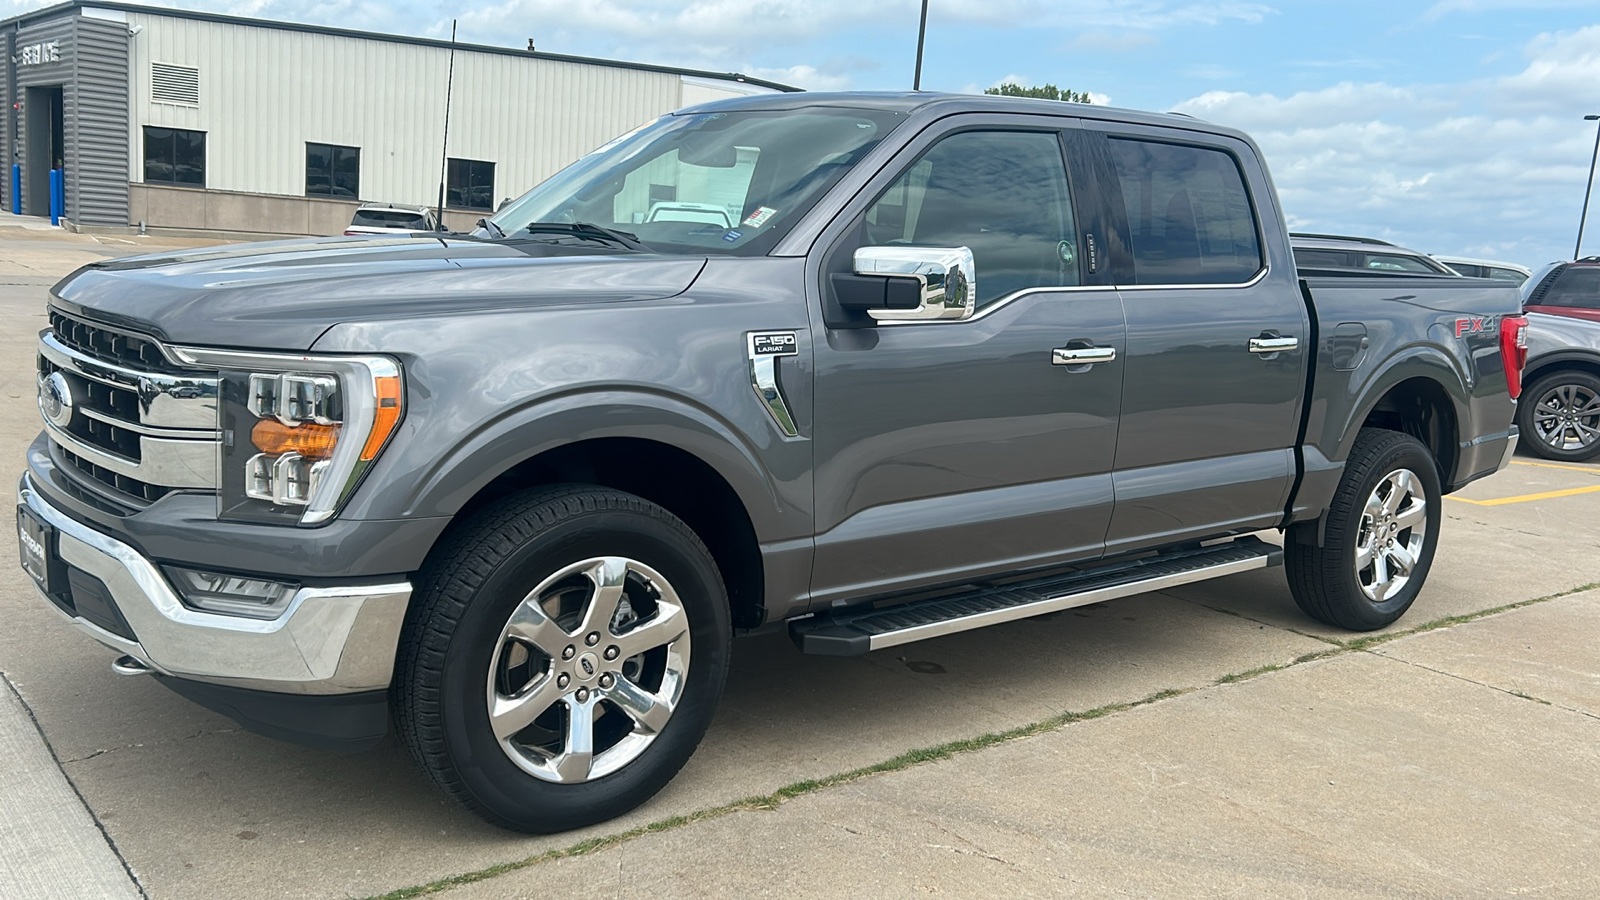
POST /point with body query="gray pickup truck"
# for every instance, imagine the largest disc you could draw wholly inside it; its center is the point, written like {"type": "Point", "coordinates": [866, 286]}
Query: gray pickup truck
{"type": "Point", "coordinates": [874, 368]}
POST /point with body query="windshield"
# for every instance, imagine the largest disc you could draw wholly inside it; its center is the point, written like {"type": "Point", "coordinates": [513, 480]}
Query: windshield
{"type": "Point", "coordinates": [712, 182]}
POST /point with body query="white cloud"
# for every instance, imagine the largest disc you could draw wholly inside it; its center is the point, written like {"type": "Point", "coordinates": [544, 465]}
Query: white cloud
{"type": "Point", "coordinates": [808, 77]}
{"type": "Point", "coordinates": [1493, 168]}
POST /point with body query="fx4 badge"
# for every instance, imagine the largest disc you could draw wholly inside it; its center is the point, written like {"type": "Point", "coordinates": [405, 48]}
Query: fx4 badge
{"type": "Point", "coordinates": [765, 349]}
{"type": "Point", "coordinates": [1477, 325]}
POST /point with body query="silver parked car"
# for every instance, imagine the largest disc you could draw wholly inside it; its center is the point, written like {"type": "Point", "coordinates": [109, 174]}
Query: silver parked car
{"type": "Point", "coordinates": [1336, 251]}
{"type": "Point", "coordinates": [392, 218]}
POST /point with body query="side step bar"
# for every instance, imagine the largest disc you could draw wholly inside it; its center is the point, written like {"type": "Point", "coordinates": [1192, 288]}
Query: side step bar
{"type": "Point", "coordinates": [859, 631]}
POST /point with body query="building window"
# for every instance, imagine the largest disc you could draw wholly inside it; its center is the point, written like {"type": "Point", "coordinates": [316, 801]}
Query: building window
{"type": "Point", "coordinates": [333, 171]}
{"type": "Point", "coordinates": [470, 184]}
{"type": "Point", "coordinates": [174, 156]}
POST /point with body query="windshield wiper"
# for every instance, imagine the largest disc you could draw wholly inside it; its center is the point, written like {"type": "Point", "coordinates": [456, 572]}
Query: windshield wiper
{"type": "Point", "coordinates": [488, 225]}
{"type": "Point", "coordinates": [588, 231]}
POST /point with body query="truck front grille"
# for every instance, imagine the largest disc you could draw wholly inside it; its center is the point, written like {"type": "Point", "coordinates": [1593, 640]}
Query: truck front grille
{"type": "Point", "coordinates": [109, 345]}
{"type": "Point", "coordinates": [127, 488]}
{"type": "Point", "coordinates": [137, 426]}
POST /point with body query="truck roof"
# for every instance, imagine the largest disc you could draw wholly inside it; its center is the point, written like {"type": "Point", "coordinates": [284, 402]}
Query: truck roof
{"type": "Point", "coordinates": [944, 104]}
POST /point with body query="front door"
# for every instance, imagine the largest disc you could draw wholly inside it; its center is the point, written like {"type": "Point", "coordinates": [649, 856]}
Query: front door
{"type": "Point", "coordinates": [1217, 341]}
{"type": "Point", "coordinates": [954, 450]}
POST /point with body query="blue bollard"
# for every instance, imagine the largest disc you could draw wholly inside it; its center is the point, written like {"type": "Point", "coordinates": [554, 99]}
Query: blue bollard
{"type": "Point", "coordinates": [16, 189]}
{"type": "Point", "coordinates": [55, 197]}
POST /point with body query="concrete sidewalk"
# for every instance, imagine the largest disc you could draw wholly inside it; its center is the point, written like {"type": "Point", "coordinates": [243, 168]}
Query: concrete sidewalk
{"type": "Point", "coordinates": [1425, 768]}
{"type": "Point", "coordinates": [50, 845]}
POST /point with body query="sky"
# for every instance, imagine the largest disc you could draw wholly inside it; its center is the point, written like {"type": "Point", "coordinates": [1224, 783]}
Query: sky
{"type": "Point", "coordinates": [1452, 127]}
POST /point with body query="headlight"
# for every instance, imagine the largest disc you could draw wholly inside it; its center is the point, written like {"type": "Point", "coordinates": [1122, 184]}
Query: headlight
{"type": "Point", "coordinates": [298, 432]}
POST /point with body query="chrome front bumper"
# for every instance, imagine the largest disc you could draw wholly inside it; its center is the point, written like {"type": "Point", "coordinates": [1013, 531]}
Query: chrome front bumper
{"type": "Point", "coordinates": [330, 640]}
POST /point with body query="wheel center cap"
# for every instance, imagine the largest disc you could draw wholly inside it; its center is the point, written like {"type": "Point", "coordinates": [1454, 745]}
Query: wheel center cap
{"type": "Point", "coordinates": [587, 667]}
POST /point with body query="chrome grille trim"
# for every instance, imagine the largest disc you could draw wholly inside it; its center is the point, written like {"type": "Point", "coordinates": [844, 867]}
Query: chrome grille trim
{"type": "Point", "coordinates": [165, 463]}
{"type": "Point", "coordinates": [137, 425]}
{"type": "Point", "coordinates": [165, 401]}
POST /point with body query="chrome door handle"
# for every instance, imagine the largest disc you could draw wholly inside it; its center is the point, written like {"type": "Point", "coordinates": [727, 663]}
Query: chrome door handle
{"type": "Point", "coordinates": [1081, 356]}
{"type": "Point", "coordinates": [1273, 344]}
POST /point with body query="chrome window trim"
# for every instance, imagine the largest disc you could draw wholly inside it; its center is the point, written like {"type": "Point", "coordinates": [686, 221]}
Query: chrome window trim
{"type": "Point", "coordinates": [1260, 275]}
{"type": "Point", "coordinates": [1008, 299]}
{"type": "Point", "coordinates": [1003, 302]}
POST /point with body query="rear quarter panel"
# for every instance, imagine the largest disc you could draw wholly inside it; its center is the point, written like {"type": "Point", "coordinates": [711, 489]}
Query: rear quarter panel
{"type": "Point", "coordinates": [1443, 329]}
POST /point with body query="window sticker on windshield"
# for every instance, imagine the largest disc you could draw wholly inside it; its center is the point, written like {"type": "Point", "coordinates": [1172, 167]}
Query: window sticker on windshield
{"type": "Point", "coordinates": [732, 236]}
{"type": "Point", "coordinates": [760, 216]}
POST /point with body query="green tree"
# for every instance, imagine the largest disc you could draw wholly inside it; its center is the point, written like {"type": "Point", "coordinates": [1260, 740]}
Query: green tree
{"type": "Point", "coordinates": [1047, 92]}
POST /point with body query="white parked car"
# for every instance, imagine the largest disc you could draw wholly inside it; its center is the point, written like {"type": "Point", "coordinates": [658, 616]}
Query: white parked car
{"type": "Point", "coordinates": [392, 218]}
{"type": "Point", "coordinates": [1486, 268]}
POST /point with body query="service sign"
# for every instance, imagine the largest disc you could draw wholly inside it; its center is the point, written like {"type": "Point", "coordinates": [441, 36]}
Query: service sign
{"type": "Point", "coordinates": [40, 53]}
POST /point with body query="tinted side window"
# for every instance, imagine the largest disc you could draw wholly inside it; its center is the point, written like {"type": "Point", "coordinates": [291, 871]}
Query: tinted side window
{"type": "Point", "coordinates": [1507, 275]}
{"type": "Point", "coordinates": [1002, 194]}
{"type": "Point", "coordinates": [1385, 262]}
{"type": "Point", "coordinates": [1578, 286]}
{"type": "Point", "coordinates": [389, 218]}
{"type": "Point", "coordinates": [1188, 214]}
{"type": "Point", "coordinates": [1321, 259]}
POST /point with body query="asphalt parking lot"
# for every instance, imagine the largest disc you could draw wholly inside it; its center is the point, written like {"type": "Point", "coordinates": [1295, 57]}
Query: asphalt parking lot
{"type": "Point", "coordinates": [1205, 741]}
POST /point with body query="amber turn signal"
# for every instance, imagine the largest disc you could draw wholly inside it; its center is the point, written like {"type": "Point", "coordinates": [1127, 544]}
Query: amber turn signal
{"type": "Point", "coordinates": [307, 439]}
{"type": "Point", "coordinates": [388, 388]}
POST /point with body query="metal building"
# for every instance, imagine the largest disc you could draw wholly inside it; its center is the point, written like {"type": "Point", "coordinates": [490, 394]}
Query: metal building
{"type": "Point", "coordinates": [191, 120]}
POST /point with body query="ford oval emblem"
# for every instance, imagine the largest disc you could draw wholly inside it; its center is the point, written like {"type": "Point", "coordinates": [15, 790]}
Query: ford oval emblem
{"type": "Point", "coordinates": [55, 400]}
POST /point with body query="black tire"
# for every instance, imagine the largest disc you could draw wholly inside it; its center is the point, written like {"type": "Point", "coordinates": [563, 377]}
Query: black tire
{"type": "Point", "coordinates": [453, 639]}
{"type": "Point", "coordinates": [1326, 581]}
{"type": "Point", "coordinates": [1543, 431]}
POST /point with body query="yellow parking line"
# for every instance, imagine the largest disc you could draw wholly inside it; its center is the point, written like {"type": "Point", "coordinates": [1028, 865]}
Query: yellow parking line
{"type": "Point", "coordinates": [1590, 469]}
{"type": "Point", "coordinates": [1547, 495]}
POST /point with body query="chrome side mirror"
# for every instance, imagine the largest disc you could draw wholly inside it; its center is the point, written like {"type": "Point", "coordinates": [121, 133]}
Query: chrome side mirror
{"type": "Point", "coordinates": [945, 280]}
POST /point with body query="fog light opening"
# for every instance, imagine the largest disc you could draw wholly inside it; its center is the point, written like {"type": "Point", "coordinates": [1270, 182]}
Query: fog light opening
{"type": "Point", "coordinates": [232, 595]}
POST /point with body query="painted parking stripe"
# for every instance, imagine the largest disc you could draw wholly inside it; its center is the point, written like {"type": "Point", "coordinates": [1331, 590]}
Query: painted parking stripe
{"type": "Point", "coordinates": [1547, 495]}
{"type": "Point", "coordinates": [1592, 470]}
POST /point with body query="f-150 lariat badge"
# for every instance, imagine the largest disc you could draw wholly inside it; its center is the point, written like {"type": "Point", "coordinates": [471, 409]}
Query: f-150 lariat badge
{"type": "Point", "coordinates": [765, 348]}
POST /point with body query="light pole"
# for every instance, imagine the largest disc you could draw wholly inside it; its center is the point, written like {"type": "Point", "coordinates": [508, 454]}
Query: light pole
{"type": "Point", "coordinates": [922, 31]}
{"type": "Point", "coordinates": [1587, 188]}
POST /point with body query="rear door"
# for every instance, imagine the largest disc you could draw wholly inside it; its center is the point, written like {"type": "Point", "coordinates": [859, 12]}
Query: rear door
{"type": "Point", "coordinates": [949, 450]}
{"type": "Point", "coordinates": [1217, 340]}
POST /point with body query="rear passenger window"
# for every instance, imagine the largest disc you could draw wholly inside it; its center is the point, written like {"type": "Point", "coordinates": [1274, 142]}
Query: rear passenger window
{"type": "Point", "coordinates": [1188, 214]}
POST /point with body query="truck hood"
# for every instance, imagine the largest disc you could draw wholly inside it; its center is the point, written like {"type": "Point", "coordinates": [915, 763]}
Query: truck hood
{"type": "Point", "coordinates": [282, 295]}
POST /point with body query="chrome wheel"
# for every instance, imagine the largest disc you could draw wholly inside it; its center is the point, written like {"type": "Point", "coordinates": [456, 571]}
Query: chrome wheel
{"type": "Point", "coordinates": [588, 670]}
{"type": "Point", "coordinates": [1567, 417]}
{"type": "Point", "coordinates": [1389, 542]}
